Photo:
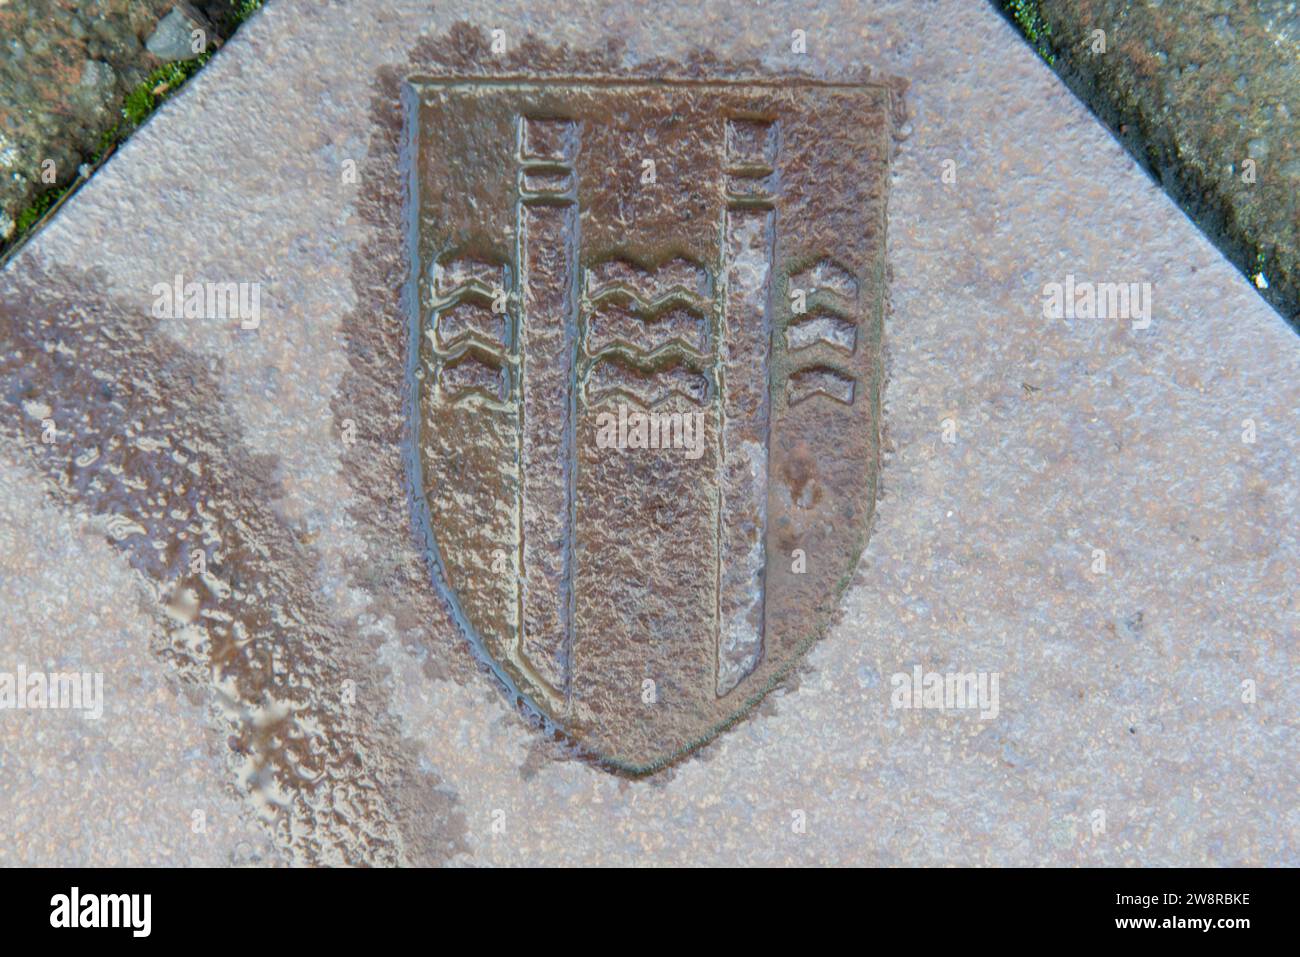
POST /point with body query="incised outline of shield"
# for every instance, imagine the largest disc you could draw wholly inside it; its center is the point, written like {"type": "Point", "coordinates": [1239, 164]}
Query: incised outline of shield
{"type": "Point", "coordinates": [593, 250]}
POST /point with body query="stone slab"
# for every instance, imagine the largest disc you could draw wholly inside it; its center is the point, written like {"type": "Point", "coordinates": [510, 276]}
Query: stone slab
{"type": "Point", "coordinates": [375, 737]}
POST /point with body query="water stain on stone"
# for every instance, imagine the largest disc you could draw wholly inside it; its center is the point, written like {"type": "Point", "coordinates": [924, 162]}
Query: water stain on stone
{"type": "Point", "coordinates": [143, 443]}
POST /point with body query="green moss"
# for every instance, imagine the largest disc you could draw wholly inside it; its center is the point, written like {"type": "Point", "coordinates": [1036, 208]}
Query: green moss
{"type": "Point", "coordinates": [137, 106]}
{"type": "Point", "coordinates": [245, 9]}
{"type": "Point", "coordinates": [38, 208]}
{"type": "Point", "coordinates": [1027, 15]}
{"type": "Point", "coordinates": [107, 140]}
{"type": "Point", "coordinates": [157, 86]}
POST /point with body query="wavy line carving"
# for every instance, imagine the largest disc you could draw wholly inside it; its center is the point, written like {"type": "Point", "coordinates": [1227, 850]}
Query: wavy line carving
{"type": "Point", "coordinates": [614, 324]}
{"type": "Point", "coordinates": [611, 377]}
{"type": "Point", "coordinates": [468, 318]}
{"type": "Point", "coordinates": [821, 325]}
{"type": "Point", "coordinates": [467, 272]}
{"type": "Point", "coordinates": [649, 286]}
{"type": "Point", "coordinates": [820, 380]}
{"type": "Point", "coordinates": [471, 374]}
{"type": "Point", "coordinates": [826, 276]}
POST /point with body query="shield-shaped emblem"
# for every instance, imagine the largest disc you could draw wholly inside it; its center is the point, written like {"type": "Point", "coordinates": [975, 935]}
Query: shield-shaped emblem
{"type": "Point", "coordinates": [645, 365]}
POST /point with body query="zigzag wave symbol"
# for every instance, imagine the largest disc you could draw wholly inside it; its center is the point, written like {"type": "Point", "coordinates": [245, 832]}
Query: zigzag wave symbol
{"type": "Point", "coordinates": [641, 333]}
{"type": "Point", "coordinates": [613, 376]}
{"type": "Point", "coordinates": [647, 287]}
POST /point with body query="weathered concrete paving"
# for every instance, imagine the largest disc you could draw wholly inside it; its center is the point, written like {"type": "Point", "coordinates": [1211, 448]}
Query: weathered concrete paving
{"type": "Point", "coordinates": [1206, 95]}
{"type": "Point", "coordinates": [1121, 736]}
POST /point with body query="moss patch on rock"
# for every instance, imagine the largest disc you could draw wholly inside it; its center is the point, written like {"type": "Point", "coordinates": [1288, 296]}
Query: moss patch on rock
{"type": "Point", "coordinates": [80, 82]}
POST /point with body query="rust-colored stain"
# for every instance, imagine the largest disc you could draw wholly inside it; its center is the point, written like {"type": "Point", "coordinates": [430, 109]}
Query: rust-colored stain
{"type": "Point", "coordinates": [644, 369]}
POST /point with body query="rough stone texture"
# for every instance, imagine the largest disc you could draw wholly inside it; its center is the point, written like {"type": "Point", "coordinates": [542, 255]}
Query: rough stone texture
{"type": "Point", "coordinates": [65, 67]}
{"type": "Point", "coordinates": [1206, 94]}
{"type": "Point", "coordinates": [1121, 692]}
{"type": "Point", "coordinates": [173, 38]}
{"type": "Point", "coordinates": [144, 784]}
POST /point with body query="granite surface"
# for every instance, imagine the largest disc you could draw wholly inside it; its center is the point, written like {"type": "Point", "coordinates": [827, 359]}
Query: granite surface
{"type": "Point", "coordinates": [357, 727]}
{"type": "Point", "coordinates": [1206, 95]}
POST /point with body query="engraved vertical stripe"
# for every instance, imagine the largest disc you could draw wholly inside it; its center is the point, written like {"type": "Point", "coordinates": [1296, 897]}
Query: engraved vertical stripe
{"type": "Point", "coordinates": [547, 348]}
{"type": "Point", "coordinates": [742, 517]}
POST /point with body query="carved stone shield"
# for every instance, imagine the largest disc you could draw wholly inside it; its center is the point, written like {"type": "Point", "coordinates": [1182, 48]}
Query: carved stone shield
{"type": "Point", "coordinates": [645, 366]}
